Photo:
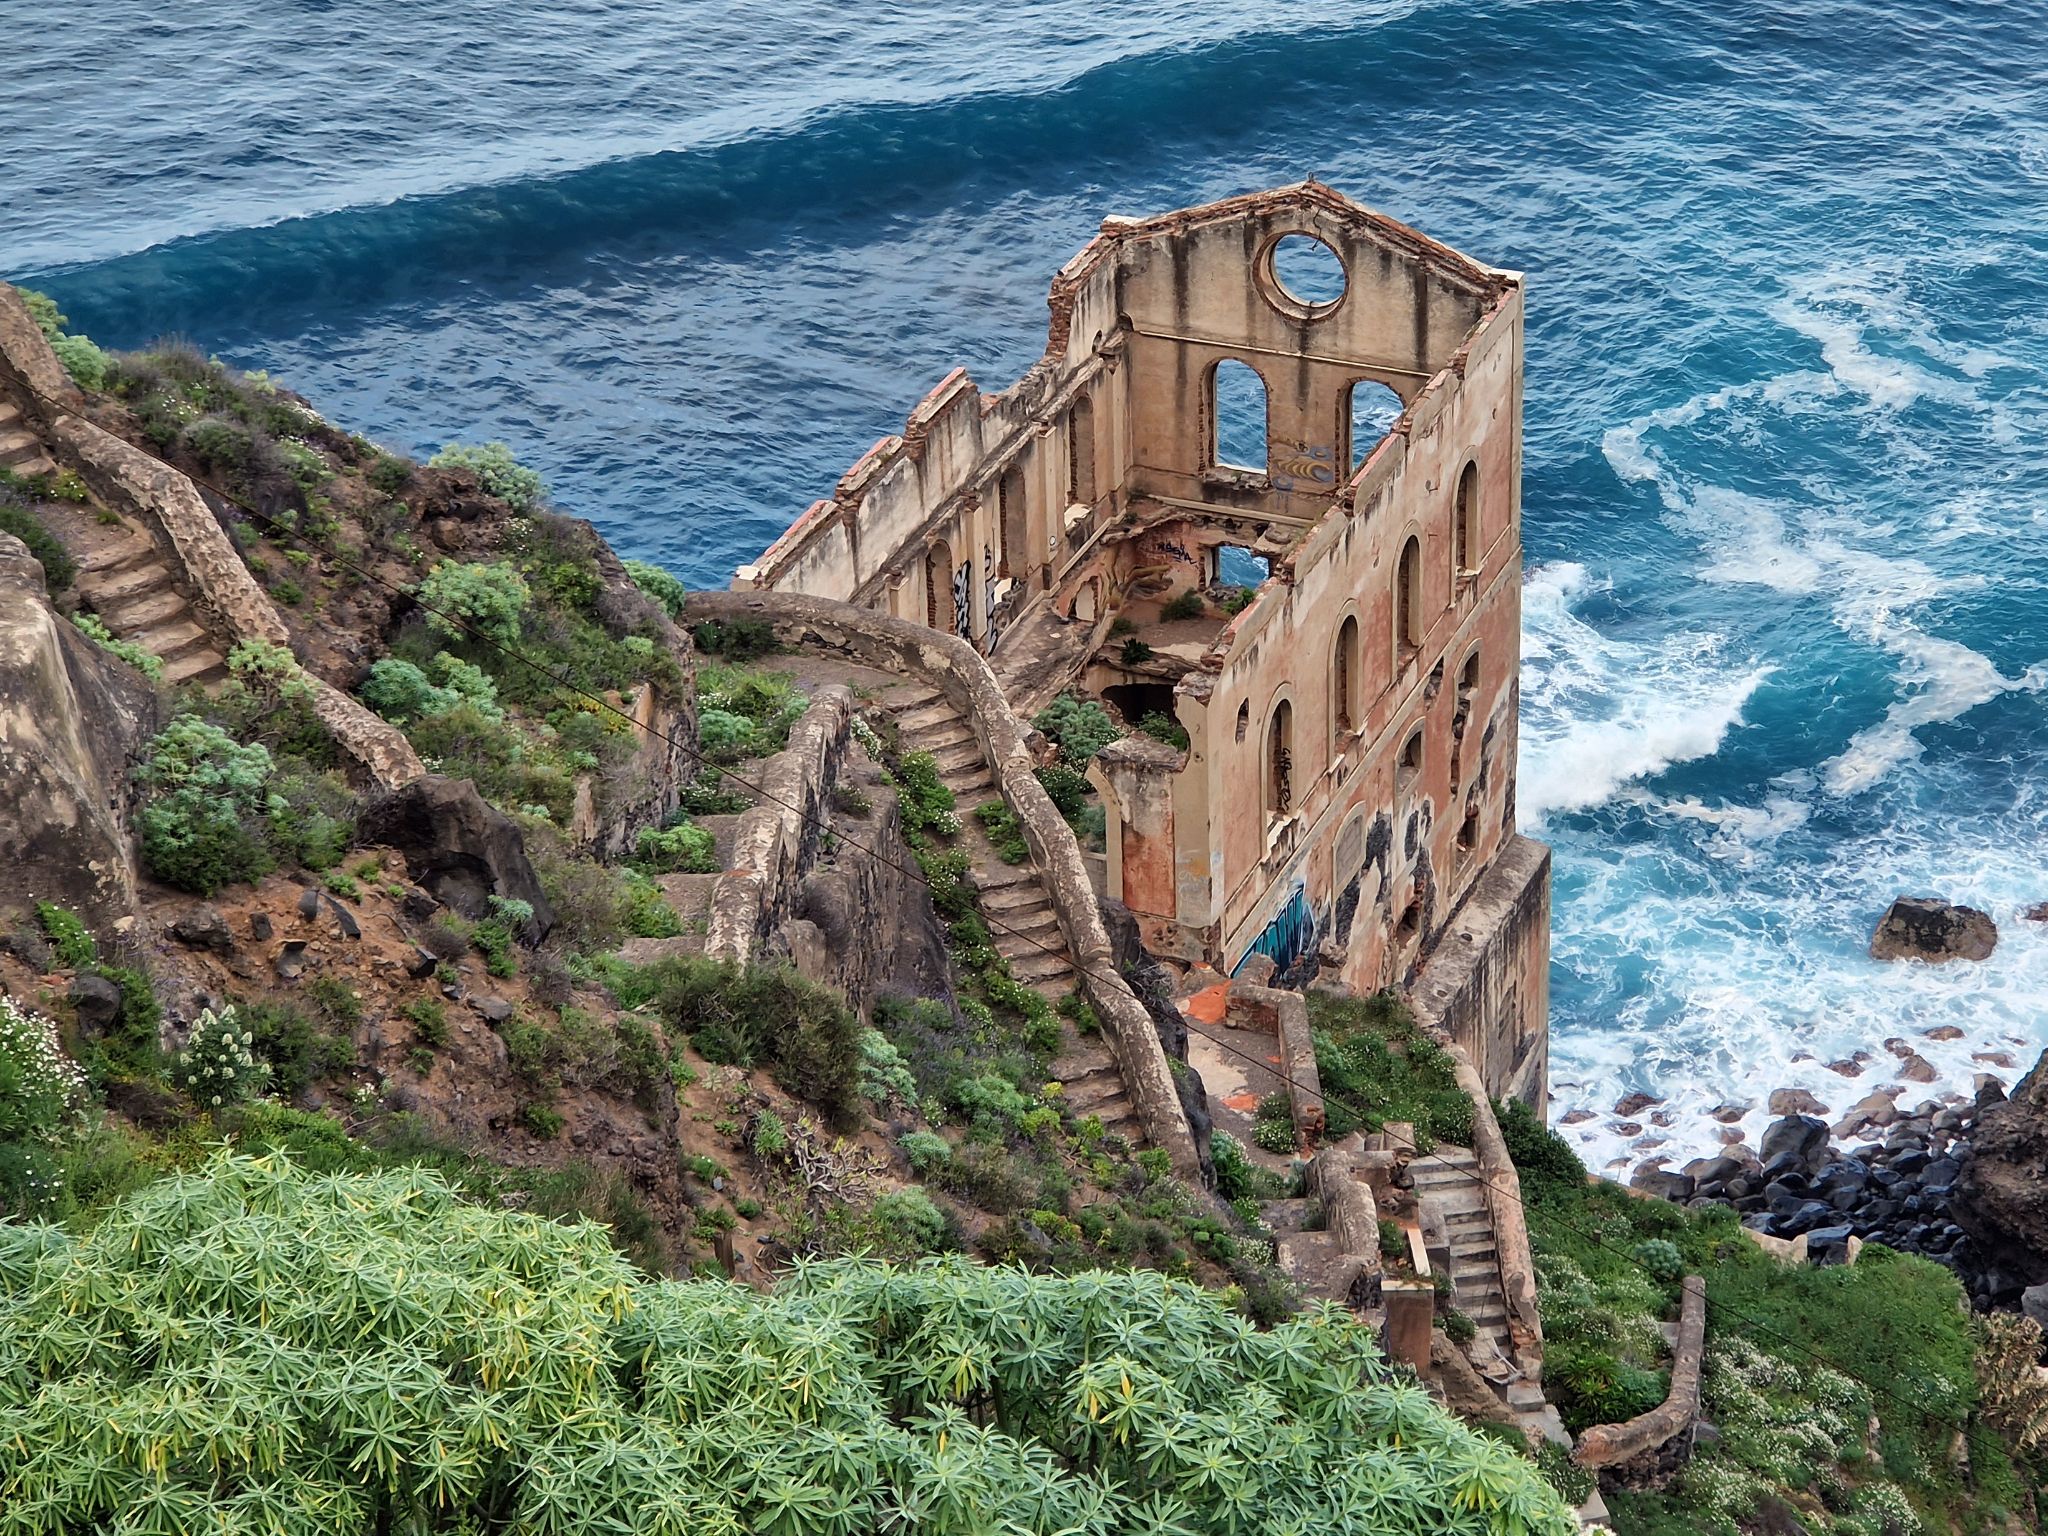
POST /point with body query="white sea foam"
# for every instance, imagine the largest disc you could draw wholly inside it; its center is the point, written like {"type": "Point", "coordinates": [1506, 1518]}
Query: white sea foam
{"type": "Point", "coordinates": [1601, 713]}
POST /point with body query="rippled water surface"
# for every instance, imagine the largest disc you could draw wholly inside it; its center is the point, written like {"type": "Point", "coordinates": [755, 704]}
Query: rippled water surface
{"type": "Point", "coordinates": [1787, 389]}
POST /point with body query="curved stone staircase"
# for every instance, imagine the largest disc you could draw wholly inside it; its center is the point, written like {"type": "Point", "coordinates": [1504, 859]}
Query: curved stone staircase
{"type": "Point", "coordinates": [1020, 916]}
{"type": "Point", "coordinates": [121, 575]}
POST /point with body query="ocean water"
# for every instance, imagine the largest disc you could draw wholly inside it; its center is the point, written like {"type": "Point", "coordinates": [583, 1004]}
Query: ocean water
{"type": "Point", "coordinates": [1786, 502]}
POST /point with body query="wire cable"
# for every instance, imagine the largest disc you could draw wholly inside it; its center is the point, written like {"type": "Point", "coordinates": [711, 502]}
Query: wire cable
{"type": "Point", "coordinates": [458, 622]}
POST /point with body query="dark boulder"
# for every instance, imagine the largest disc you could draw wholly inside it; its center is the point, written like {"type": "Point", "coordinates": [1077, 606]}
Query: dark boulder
{"type": "Point", "coordinates": [1676, 1187]}
{"type": "Point", "coordinates": [1800, 1135]}
{"type": "Point", "coordinates": [2000, 1197]}
{"type": "Point", "coordinates": [204, 928]}
{"type": "Point", "coordinates": [1928, 928]}
{"type": "Point", "coordinates": [459, 847]}
{"type": "Point", "coordinates": [97, 1003]}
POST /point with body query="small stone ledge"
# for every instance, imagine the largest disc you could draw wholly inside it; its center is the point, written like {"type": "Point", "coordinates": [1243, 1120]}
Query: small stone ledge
{"type": "Point", "coordinates": [963, 676]}
{"type": "Point", "coordinates": [1612, 1445]}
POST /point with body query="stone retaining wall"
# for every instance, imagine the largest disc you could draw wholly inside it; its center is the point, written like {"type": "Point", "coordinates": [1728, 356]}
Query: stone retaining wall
{"type": "Point", "coordinates": [952, 666]}
{"type": "Point", "coordinates": [775, 843]}
{"type": "Point", "coordinates": [1612, 1445]}
{"type": "Point", "coordinates": [1351, 1213]}
{"type": "Point", "coordinates": [225, 596]}
{"type": "Point", "coordinates": [1285, 1016]}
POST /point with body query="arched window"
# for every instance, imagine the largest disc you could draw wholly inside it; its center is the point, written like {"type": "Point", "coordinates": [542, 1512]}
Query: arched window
{"type": "Point", "coordinates": [1280, 760]}
{"type": "Point", "coordinates": [1408, 600]}
{"type": "Point", "coordinates": [938, 587]}
{"type": "Point", "coordinates": [1010, 516]}
{"type": "Point", "coordinates": [1409, 769]}
{"type": "Point", "coordinates": [1237, 416]}
{"type": "Point", "coordinates": [1344, 679]}
{"type": "Point", "coordinates": [1465, 521]}
{"type": "Point", "coordinates": [1468, 678]}
{"type": "Point", "coordinates": [1081, 453]}
{"type": "Point", "coordinates": [1244, 719]}
{"type": "Point", "coordinates": [1373, 409]}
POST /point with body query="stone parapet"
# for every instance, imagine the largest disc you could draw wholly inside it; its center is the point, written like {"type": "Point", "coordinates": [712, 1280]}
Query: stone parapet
{"type": "Point", "coordinates": [1501, 1188]}
{"type": "Point", "coordinates": [951, 665]}
{"type": "Point", "coordinates": [1612, 1445]}
{"type": "Point", "coordinates": [1285, 1015]}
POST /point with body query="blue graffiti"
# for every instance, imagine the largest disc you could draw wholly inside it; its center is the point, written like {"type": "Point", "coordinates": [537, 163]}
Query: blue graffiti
{"type": "Point", "coordinates": [1288, 937]}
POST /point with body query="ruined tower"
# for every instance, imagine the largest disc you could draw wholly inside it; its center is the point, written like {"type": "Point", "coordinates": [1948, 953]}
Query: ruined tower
{"type": "Point", "coordinates": [1334, 470]}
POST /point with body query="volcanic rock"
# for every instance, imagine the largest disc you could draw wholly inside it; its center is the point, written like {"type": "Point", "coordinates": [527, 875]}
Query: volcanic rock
{"type": "Point", "coordinates": [2001, 1195]}
{"type": "Point", "coordinates": [1796, 1101]}
{"type": "Point", "coordinates": [1801, 1135]}
{"type": "Point", "coordinates": [1928, 928]}
{"type": "Point", "coordinates": [462, 849]}
{"type": "Point", "coordinates": [204, 928]}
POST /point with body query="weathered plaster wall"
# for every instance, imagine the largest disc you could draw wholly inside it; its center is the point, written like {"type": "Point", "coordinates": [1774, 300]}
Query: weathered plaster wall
{"type": "Point", "coordinates": [1486, 985]}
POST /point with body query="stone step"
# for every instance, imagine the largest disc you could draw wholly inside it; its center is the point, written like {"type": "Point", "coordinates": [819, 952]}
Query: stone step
{"type": "Point", "coordinates": [18, 445]}
{"type": "Point", "coordinates": [202, 666]}
{"type": "Point", "coordinates": [143, 609]}
{"type": "Point", "coordinates": [919, 707]}
{"type": "Point", "coordinates": [170, 640]}
{"type": "Point", "coordinates": [1105, 1099]}
{"type": "Point", "coordinates": [1041, 970]}
{"type": "Point", "coordinates": [1525, 1395]}
{"type": "Point", "coordinates": [111, 584]}
{"type": "Point", "coordinates": [121, 554]}
{"type": "Point", "coordinates": [10, 413]}
{"type": "Point", "coordinates": [1027, 928]}
{"type": "Point", "coordinates": [722, 830]}
{"type": "Point", "coordinates": [1473, 1245]}
{"type": "Point", "coordinates": [962, 757]}
{"type": "Point", "coordinates": [690, 895]}
{"type": "Point", "coordinates": [940, 736]}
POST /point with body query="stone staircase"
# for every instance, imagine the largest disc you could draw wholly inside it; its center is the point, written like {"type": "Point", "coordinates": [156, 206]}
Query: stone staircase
{"type": "Point", "coordinates": [121, 577]}
{"type": "Point", "coordinates": [126, 583]}
{"type": "Point", "coordinates": [1017, 908]}
{"type": "Point", "coordinates": [1448, 1182]}
{"type": "Point", "coordinates": [21, 451]}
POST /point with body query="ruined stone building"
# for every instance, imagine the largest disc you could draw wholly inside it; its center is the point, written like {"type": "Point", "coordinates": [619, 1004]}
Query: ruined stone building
{"type": "Point", "coordinates": [1291, 393]}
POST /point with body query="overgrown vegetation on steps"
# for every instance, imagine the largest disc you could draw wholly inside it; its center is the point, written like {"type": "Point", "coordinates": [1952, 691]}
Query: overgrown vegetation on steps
{"type": "Point", "coordinates": [1376, 1064]}
{"type": "Point", "coordinates": [1845, 1397]}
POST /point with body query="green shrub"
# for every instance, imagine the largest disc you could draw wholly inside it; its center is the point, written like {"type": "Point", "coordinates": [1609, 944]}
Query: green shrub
{"type": "Point", "coordinates": [201, 826]}
{"type": "Point", "coordinates": [41, 1095]}
{"type": "Point", "coordinates": [59, 569]}
{"type": "Point", "coordinates": [805, 1034]}
{"type": "Point", "coordinates": [658, 584]}
{"type": "Point", "coordinates": [147, 663]}
{"type": "Point", "coordinates": [86, 363]}
{"type": "Point", "coordinates": [1273, 1126]}
{"type": "Point", "coordinates": [884, 1075]}
{"type": "Point", "coordinates": [1237, 1177]}
{"type": "Point", "coordinates": [1185, 605]}
{"type": "Point", "coordinates": [679, 846]}
{"type": "Point", "coordinates": [389, 473]}
{"type": "Point", "coordinates": [737, 640]}
{"type": "Point", "coordinates": [712, 793]}
{"type": "Point", "coordinates": [907, 1223]}
{"type": "Point", "coordinates": [1660, 1258]}
{"type": "Point", "coordinates": [297, 1051]}
{"type": "Point", "coordinates": [1135, 652]}
{"type": "Point", "coordinates": [1067, 787]}
{"type": "Point", "coordinates": [1080, 727]}
{"type": "Point", "coordinates": [925, 1149]}
{"type": "Point", "coordinates": [499, 473]}
{"type": "Point", "coordinates": [1573, 1482]}
{"type": "Point", "coordinates": [1005, 831]}
{"type": "Point", "coordinates": [1234, 600]}
{"type": "Point", "coordinates": [490, 600]}
{"type": "Point", "coordinates": [69, 937]}
{"type": "Point", "coordinates": [1459, 1328]}
{"type": "Point", "coordinates": [1543, 1159]}
{"type": "Point", "coordinates": [1163, 727]}
{"type": "Point", "coordinates": [1376, 1065]}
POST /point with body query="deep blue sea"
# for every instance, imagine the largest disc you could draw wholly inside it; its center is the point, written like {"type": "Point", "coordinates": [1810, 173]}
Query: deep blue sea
{"type": "Point", "coordinates": [1786, 504]}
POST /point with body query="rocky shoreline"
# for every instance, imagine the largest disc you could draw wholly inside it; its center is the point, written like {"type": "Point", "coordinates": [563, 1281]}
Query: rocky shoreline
{"type": "Point", "coordinates": [1916, 1180]}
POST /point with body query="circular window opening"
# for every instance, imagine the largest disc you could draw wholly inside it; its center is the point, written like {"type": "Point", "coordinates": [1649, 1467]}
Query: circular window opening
{"type": "Point", "coordinates": [1308, 271]}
